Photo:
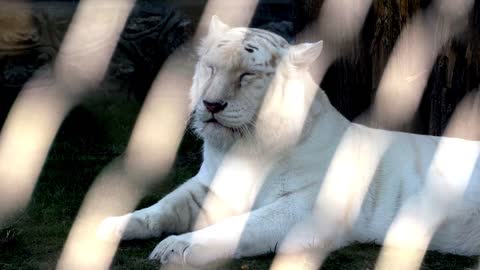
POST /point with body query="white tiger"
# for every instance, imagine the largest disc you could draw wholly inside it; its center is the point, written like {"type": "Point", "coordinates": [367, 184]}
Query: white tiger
{"type": "Point", "coordinates": [264, 164]}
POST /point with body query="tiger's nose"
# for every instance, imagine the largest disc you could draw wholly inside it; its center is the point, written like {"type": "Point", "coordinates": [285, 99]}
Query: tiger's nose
{"type": "Point", "coordinates": [215, 107]}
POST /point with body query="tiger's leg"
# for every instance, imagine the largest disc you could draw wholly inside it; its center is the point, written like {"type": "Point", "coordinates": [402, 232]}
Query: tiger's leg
{"type": "Point", "coordinates": [254, 233]}
{"type": "Point", "coordinates": [175, 213]}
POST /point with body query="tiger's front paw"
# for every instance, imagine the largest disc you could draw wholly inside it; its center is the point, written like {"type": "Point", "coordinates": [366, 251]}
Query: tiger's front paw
{"type": "Point", "coordinates": [180, 249]}
{"type": "Point", "coordinates": [171, 250]}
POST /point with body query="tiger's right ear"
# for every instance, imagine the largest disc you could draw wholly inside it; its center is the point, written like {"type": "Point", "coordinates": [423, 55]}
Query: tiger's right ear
{"type": "Point", "coordinates": [217, 26]}
{"type": "Point", "coordinates": [304, 54]}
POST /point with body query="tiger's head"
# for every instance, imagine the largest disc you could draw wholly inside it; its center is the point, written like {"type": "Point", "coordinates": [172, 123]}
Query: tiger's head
{"type": "Point", "coordinates": [239, 69]}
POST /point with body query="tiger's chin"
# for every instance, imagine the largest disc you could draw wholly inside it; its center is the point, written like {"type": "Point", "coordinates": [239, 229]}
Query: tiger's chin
{"type": "Point", "coordinates": [218, 134]}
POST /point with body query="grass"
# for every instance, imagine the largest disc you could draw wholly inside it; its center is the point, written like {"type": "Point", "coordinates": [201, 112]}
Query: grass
{"type": "Point", "coordinates": [94, 135]}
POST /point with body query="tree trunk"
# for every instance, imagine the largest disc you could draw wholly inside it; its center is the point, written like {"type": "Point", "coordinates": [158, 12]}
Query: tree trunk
{"type": "Point", "coordinates": [455, 72]}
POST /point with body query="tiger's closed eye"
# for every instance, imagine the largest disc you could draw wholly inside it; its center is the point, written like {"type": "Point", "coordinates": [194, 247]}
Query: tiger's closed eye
{"type": "Point", "coordinates": [245, 75]}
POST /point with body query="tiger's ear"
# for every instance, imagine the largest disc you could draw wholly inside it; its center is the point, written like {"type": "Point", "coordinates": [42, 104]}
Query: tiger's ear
{"type": "Point", "coordinates": [217, 26]}
{"type": "Point", "coordinates": [215, 29]}
{"type": "Point", "coordinates": [303, 55]}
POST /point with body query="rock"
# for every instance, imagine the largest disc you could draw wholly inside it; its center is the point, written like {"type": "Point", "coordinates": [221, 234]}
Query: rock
{"type": "Point", "coordinates": [283, 28]}
{"type": "Point", "coordinates": [152, 33]}
{"type": "Point", "coordinates": [31, 35]}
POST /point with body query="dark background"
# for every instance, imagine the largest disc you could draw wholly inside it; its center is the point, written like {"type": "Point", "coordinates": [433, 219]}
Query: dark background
{"type": "Point", "coordinates": [156, 28]}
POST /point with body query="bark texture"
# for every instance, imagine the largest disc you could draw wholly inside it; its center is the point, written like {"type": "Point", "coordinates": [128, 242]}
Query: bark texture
{"type": "Point", "coordinates": [352, 80]}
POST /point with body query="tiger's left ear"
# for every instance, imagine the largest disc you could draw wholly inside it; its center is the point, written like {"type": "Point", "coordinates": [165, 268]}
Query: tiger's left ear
{"type": "Point", "coordinates": [303, 55]}
{"type": "Point", "coordinates": [217, 27]}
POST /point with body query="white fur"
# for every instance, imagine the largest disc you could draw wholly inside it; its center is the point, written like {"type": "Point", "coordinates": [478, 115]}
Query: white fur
{"type": "Point", "coordinates": [253, 187]}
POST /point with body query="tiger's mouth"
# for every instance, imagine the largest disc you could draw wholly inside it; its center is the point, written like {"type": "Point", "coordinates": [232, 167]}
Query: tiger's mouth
{"type": "Point", "coordinates": [217, 124]}
{"type": "Point", "coordinates": [212, 120]}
